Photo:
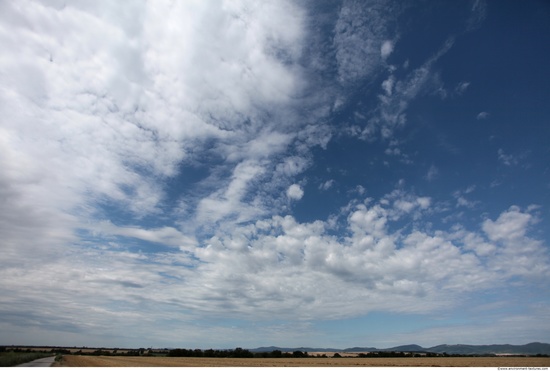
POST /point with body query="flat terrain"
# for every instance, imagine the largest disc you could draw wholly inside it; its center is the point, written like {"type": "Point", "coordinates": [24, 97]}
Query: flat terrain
{"type": "Point", "coordinates": [106, 361]}
{"type": "Point", "coordinates": [41, 362]}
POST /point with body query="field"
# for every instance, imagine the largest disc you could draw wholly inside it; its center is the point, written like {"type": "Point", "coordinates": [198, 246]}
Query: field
{"type": "Point", "coordinates": [107, 361]}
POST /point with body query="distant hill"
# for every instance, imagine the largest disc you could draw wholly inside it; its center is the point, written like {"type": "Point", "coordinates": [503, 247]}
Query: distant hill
{"type": "Point", "coordinates": [462, 349]}
{"type": "Point", "coordinates": [531, 348]}
{"type": "Point", "coordinates": [406, 348]}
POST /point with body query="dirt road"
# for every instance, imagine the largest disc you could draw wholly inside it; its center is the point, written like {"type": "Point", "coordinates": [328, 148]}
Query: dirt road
{"type": "Point", "coordinates": [41, 362]}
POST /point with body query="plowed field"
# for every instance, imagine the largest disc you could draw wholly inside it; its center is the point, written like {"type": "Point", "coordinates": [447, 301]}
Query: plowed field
{"type": "Point", "coordinates": [106, 361]}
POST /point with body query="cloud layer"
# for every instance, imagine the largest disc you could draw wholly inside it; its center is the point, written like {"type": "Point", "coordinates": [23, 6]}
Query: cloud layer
{"type": "Point", "coordinates": [153, 156]}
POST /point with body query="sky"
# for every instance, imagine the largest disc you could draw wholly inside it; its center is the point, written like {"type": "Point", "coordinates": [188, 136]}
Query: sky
{"type": "Point", "coordinates": [221, 174]}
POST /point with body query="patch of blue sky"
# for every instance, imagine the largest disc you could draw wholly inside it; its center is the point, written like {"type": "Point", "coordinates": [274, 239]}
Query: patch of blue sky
{"type": "Point", "coordinates": [141, 246]}
{"type": "Point", "coordinates": [103, 240]}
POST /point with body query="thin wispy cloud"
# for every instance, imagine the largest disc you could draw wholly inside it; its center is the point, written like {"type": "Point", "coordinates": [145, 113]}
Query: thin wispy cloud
{"type": "Point", "coordinates": [482, 115]}
{"type": "Point", "coordinates": [512, 159]}
{"type": "Point", "coordinates": [462, 87]}
{"type": "Point", "coordinates": [432, 173]}
{"type": "Point", "coordinates": [391, 112]}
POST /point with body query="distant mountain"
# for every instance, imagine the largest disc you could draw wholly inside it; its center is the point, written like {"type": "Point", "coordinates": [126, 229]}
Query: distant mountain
{"type": "Point", "coordinates": [531, 348]}
{"type": "Point", "coordinates": [406, 348]}
{"type": "Point", "coordinates": [462, 349]}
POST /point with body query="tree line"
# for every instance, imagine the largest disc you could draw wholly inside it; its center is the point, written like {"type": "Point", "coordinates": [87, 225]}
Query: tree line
{"type": "Point", "coordinates": [235, 353]}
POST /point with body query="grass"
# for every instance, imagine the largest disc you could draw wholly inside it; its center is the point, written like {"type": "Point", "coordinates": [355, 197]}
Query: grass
{"type": "Point", "coordinates": [8, 359]}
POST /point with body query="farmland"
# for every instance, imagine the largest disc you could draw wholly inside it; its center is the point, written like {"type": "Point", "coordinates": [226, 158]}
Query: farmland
{"type": "Point", "coordinates": [106, 361]}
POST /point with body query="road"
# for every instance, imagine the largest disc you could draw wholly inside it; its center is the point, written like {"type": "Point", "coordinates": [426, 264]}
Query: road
{"type": "Point", "coordinates": [42, 362]}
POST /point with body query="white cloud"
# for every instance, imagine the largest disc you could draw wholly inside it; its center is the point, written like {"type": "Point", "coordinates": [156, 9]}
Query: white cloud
{"type": "Point", "coordinates": [228, 201]}
{"type": "Point", "coordinates": [482, 115]}
{"type": "Point", "coordinates": [106, 106]}
{"type": "Point", "coordinates": [511, 159]}
{"type": "Point", "coordinates": [292, 165]}
{"type": "Point", "coordinates": [327, 185]}
{"type": "Point", "coordinates": [462, 201]}
{"type": "Point", "coordinates": [511, 225]}
{"type": "Point", "coordinates": [386, 49]}
{"type": "Point", "coordinates": [462, 87]}
{"type": "Point", "coordinates": [267, 269]}
{"type": "Point", "coordinates": [392, 151]}
{"type": "Point", "coordinates": [107, 112]}
{"type": "Point", "coordinates": [372, 266]}
{"type": "Point", "coordinates": [424, 202]}
{"type": "Point", "coordinates": [470, 189]}
{"type": "Point", "coordinates": [361, 39]}
{"type": "Point", "coordinates": [295, 192]}
{"type": "Point", "coordinates": [102, 104]}
{"type": "Point", "coordinates": [432, 173]}
{"type": "Point", "coordinates": [391, 111]}
{"type": "Point", "coordinates": [168, 236]}
{"type": "Point", "coordinates": [478, 14]}
{"type": "Point", "coordinates": [360, 189]}
{"type": "Point", "coordinates": [387, 85]}
{"type": "Point", "coordinates": [506, 159]}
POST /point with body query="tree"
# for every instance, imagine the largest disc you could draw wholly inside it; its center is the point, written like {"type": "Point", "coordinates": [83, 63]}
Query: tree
{"type": "Point", "coordinates": [242, 353]}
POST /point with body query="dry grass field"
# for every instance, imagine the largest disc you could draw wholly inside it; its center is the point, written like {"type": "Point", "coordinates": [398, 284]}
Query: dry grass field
{"type": "Point", "coordinates": [106, 361]}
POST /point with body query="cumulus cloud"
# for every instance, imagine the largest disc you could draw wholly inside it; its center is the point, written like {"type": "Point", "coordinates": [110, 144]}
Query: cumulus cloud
{"type": "Point", "coordinates": [386, 49]}
{"type": "Point", "coordinates": [293, 165]}
{"type": "Point", "coordinates": [376, 268]}
{"type": "Point", "coordinates": [279, 268]}
{"type": "Point", "coordinates": [114, 112]}
{"type": "Point", "coordinates": [103, 105]}
{"type": "Point", "coordinates": [295, 192]}
{"type": "Point", "coordinates": [509, 226]}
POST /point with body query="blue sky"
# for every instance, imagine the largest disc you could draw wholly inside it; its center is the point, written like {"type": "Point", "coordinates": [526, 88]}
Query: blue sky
{"type": "Point", "coordinates": [215, 174]}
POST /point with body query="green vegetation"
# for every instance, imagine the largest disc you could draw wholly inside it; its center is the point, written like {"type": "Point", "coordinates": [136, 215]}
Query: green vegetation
{"type": "Point", "coordinates": [8, 359]}
{"type": "Point", "coordinates": [244, 353]}
{"type": "Point", "coordinates": [237, 353]}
